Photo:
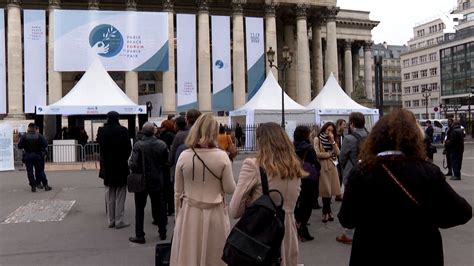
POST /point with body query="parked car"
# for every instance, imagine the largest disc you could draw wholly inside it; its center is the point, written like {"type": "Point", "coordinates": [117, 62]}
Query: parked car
{"type": "Point", "coordinates": [439, 128]}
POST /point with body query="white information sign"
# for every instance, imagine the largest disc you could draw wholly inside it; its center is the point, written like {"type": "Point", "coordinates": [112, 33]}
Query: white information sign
{"type": "Point", "coordinates": [6, 148]}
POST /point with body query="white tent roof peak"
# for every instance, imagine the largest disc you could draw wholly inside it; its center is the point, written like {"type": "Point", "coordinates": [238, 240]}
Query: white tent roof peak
{"type": "Point", "coordinates": [333, 97]}
{"type": "Point", "coordinates": [268, 97]}
{"type": "Point", "coordinates": [96, 88]}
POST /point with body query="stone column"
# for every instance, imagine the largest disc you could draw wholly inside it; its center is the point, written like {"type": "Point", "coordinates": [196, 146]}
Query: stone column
{"type": "Point", "coordinates": [318, 73]}
{"type": "Point", "coordinates": [14, 60]}
{"type": "Point", "coordinates": [368, 70]}
{"type": "Point", "coordinates": [94, 4]}
{"type": "Point", "coordinates": [348, 79]}
{"type": "Point", "coordinates": [169, 92]}
{"type": "Point", "coordinates": [131, 77]}
{"type": "Point", "coordinates": [303, 64]}
{"type": "Point", "coordinates": [271, 36]}
{"type": "Point", "coordinates": [55, 79]}
{"type": "Point", "coordinates": [331, 41]}
{"type": "Point", "coordinates": [204, 58]}
{"type": "Point", "coordinates": [238, 54]}
{"type": "Point", "coordinates": [355, 65]}
{"type": "Point", "coordinates": [291, 72]}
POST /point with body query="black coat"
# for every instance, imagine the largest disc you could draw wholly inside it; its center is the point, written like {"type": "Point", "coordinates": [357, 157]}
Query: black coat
{"type": "Point", "coordinates": [115, 149]}
{"type": "Point", "coordinates": [456, 140]}
{"type": "Point", "coordinates": [155, 153]}
{"type": "Point", "coordinates": [390, 229]}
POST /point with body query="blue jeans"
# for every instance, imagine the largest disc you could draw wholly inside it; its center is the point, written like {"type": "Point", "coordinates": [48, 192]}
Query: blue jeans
{"type": "Point", "coordinates": [35, 161]}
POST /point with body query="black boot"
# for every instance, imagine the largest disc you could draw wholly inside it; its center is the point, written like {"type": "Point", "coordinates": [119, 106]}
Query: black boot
{"type": "Point", "coordinates": [304, 233]}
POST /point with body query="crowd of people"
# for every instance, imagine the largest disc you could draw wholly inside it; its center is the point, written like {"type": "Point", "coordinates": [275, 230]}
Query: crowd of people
{"type": "Point", "coordinates": [385, 179]}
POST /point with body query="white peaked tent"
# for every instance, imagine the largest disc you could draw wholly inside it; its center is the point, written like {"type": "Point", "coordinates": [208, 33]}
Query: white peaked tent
{"type": "Point", "coordinates": [333, 103]}
{"type": "Point", "coordinates": [95, 94]}
{"type": "Point", "coordinates": [265, 106]}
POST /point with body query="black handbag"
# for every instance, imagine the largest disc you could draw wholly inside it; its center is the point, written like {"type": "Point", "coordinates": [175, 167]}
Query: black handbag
{"type": "Point", "coordinates": [162, 254]}
{"type": "Point", "coordinates": [135, 181]}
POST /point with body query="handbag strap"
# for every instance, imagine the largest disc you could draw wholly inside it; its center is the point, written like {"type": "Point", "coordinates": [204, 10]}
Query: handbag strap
{"type": "Point", "coordinates": [205, 166]}
{"type": "Point", "coordinates": [400, 185]}
{"type": "Point", "coordinates": [264, 179]}
{"type": "Point", "coordinates": [143, 161]}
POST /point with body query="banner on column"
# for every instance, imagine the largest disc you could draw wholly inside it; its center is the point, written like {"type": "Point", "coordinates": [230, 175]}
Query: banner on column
{"type": "Point", "coordinates": [34, 45]}
{"type": "Point", "coordinates": [221, 69]}
{"type": "Point", "coordinates": [6, 148]}
{"type": "Point", "coordinates": [186, 61]}
{"type": "Point", "coordinates": [254, 39]}
{"type": "Point", "coordinates": [123, 40]}
{"type": "Point", "coordinates": [3, 83]}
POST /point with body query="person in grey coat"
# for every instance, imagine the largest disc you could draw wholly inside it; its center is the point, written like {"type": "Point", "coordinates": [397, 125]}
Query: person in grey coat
{"type": "Point", "coordinates": [349, 157]}
{"type": "Point", "coordinates": [150, 157]}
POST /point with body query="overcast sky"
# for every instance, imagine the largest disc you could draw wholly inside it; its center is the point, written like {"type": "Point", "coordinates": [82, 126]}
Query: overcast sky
{"type": "Point", "coordinates": [397, 18]}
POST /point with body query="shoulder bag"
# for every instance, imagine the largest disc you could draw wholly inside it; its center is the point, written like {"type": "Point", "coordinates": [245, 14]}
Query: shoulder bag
{"type": "Point", "coordinates": [136, 182]}
{"type": "Point", "coordinates": [231, 148]}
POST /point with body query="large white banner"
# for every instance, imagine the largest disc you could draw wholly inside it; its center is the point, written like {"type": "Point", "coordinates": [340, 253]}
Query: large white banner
{"type": "Point", "coordinates": [3, 83]}
{"type": "Point", "coordinates": [255, 40]}
{"type": "Point", "coordinates": [123, 40]}
{"type": "Point", "coordinates": [6, 148]}
{"type": "Point", "coordinates": [186, 59]}
{"type": "Point", "coordinates": [221, 68]}
{"type": "Point", "coordinates": [34, 47]}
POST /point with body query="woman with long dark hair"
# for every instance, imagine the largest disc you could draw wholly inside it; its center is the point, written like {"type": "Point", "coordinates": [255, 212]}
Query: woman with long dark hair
{"type": "Point", "coordinates": [309, 184]}
{"type": "Point", "coordinates": [395, 190]}
{"type": "Point", "coordinates": [327, 151]}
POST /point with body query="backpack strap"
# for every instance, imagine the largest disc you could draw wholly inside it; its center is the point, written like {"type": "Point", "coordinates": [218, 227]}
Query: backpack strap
{"type": "Point", "coordinates": [264, 179]}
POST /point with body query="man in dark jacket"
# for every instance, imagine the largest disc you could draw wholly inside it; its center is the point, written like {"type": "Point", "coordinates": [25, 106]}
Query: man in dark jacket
{"type": "Point", "coordinates": [447, 150]}
{"type": "Point", "coordinates": [349, 158]}
{"type": "Point", "coordinates": [455, 145]}
{"type": "Point", "coordinates": [150, 156]}
{"type": "Point", "coordinates": [115, 148]}
{"type": "Point", "coordinates": [35, 147]}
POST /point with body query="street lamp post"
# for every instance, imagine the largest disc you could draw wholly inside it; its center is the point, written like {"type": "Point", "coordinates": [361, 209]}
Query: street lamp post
{"type": "Point", "coordinates": [283, 66]}
{"type": "Point", "coordinates": [426, 93]}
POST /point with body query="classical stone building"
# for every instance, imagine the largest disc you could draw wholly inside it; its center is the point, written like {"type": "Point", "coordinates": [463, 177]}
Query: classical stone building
{"type": "Point", "coordinates": [323, 38]}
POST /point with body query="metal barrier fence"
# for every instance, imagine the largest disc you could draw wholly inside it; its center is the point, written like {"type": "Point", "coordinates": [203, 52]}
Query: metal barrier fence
{"type": "Point", "coordinates": [65, 154]}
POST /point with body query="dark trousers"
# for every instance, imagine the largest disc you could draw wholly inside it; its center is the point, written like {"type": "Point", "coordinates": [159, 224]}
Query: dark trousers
{"type": "Point", "coordinates": [169, 195]}
{"type": "Point", "coordinates": [304, 205]}
{"type": "Point", "coordinates": [36, 161]}
{"type": "Point", "coordinates": [157, 211]}
{"type": "Point", "coordinates": [456, 163]}
{"type": "Point", "coordinates": [327, 205]}
{"type": "Point", "coordinates": [448, 162]}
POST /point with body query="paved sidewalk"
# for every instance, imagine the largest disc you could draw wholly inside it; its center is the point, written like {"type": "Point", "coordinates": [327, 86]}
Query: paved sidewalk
{"type": "Point", "coordinates": [82, 236]}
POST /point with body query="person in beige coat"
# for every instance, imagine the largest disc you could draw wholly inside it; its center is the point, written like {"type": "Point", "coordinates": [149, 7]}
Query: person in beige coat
{"type": "Point", "coordinates": [327, 152]}
{"type": "Point", "coordinates": [284, 170]}
{"type": "Point", "coordinates": [203, 177]}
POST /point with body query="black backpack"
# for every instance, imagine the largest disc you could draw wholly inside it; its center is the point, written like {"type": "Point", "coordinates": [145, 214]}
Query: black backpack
{"type": "Point", "coordinates": [257, 236]}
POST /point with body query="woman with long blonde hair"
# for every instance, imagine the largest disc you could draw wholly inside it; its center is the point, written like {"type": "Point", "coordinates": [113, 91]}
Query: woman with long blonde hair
{"type": "Point", "coordinates": [276, 155]}
{"type": "Point", "coordinates": [203, 175]}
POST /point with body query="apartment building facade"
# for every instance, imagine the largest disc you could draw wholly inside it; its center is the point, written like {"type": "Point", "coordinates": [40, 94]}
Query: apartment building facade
{"type": "Point", "coordinates": [420, 70]}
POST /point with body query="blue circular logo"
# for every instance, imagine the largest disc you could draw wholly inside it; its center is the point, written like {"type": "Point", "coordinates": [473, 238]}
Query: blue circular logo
{"type": "Point", "coordinates": [219, 64]}
{"type": "Point", "coordinates": [106, 40]}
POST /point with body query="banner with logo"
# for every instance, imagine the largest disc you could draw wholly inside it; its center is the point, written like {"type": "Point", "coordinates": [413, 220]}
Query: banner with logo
{"type": "Point", "coordinates": [34, 47]}
{"type": "Point", "coordinates": [186, 61]}
{"type": "Point", "coordinates": [221, 68]}
{"type": "Point", "coordinates": [3, 80]}
{"type": "Point", "coordinates": [6, 148]}
{"type": "Point", "coordinates": [123, 40]}
{"type": "Point", "coordinates": [255, 40]}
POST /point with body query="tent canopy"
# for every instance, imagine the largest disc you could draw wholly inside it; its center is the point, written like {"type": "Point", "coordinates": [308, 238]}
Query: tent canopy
{"type": "Point", "coordinates": [95, 94]}
{"type": "Point", "coordinates": [265, 106]}
{"type": "Point", "coordinates": [268, 98]}
{"type": "Point", "coordinates": [332, 97]}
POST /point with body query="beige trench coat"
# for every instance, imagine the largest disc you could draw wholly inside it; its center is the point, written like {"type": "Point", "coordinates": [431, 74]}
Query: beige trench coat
{"type": "Point", "coordinates": [202, 221]}
{"type": "Point", "coordinates": [329, 178]}
{"type": "Point", "coordinates": [249, 189]}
